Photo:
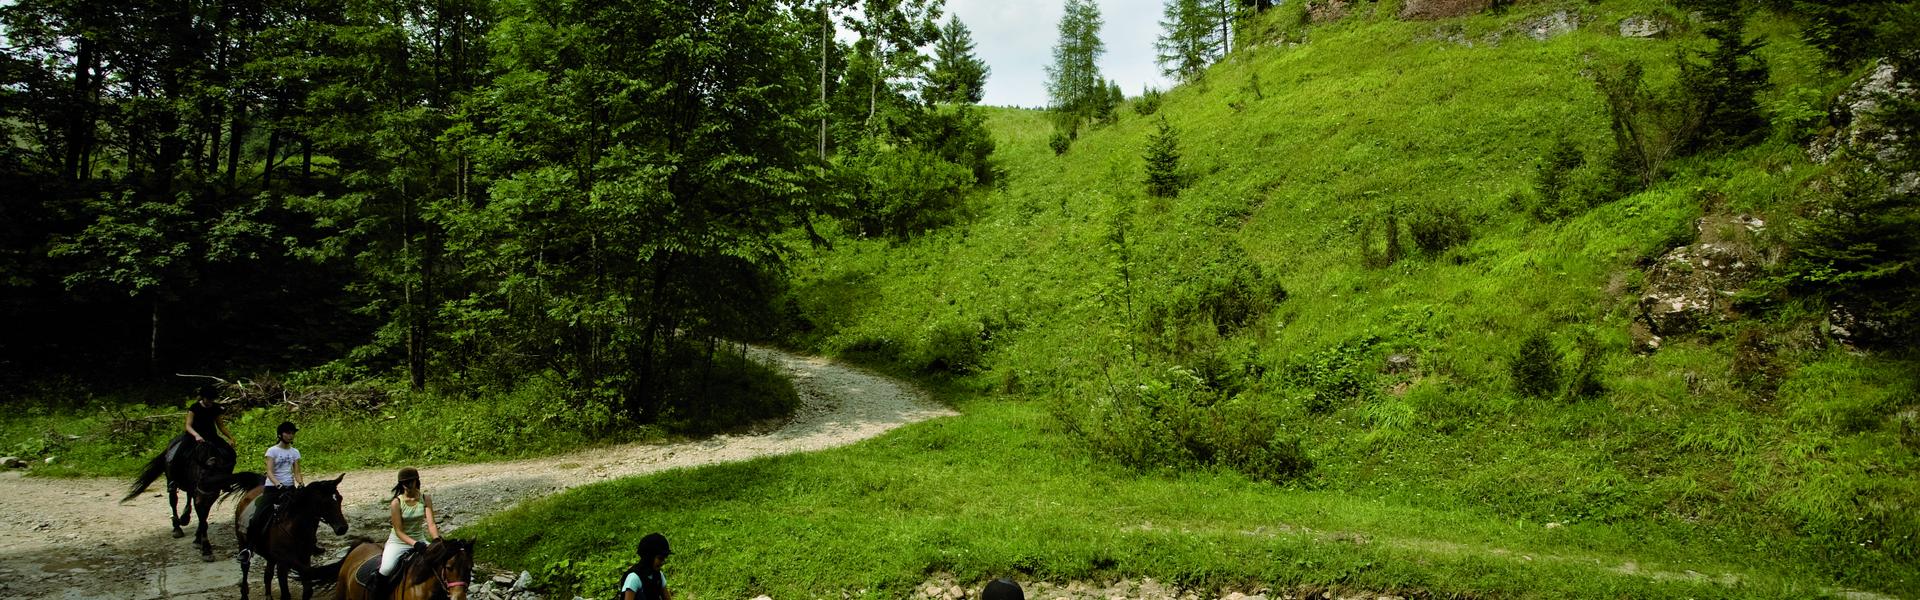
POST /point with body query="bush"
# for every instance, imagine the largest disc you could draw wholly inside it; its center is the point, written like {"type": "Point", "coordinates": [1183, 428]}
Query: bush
{"type": "Point", "coordinates": [1438, 228]}
{"type": "Point", "coordinates": [1149, 102]}
{"type": "Point", "coordinates": [1536, 368]}
{"type": "Point", "coordinates": [1170, 422]}
{"type": "Point", "coordinates": [1060, 142]}
{"type": "Point", "coordinates": [955, 346]}
{"type": "Point", "coordinates": [1332, 376]}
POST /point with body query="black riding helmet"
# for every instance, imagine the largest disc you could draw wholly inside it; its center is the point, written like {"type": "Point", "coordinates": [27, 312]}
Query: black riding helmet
{"type": "Point", "coordinates": [287, 427]}
{"type": "Point", "coordinates": [653, 544]}
{"type": "Point", "coordinates": [1002, 589]}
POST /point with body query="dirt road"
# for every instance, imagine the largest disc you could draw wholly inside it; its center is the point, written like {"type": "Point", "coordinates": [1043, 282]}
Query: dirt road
{"type": "Point", "coordinates": [69, 538]}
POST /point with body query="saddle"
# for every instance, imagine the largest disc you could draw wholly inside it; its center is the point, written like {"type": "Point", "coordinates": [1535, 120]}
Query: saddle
{"type": "Point", "coordinates": [368, 570]}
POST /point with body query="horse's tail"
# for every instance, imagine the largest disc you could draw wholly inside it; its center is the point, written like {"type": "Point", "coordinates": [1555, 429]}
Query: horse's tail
{"type": "Point", "coordinates": [154, 469]}
{"type": "Point", "coordinates": [239, 483]}
{"type": "Point", "coordinates": [329, 574]}
{"type": "Point", "coordinates": [321, 575]}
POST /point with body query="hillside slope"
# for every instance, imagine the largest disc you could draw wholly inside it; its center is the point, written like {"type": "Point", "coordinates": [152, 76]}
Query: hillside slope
{"type": "Point", "coordinates": [1266, 294]}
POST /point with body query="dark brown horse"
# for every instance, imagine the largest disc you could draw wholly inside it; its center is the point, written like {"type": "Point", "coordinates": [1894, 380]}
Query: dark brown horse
{"type": "Point", "coordinates": [442, 571]}
{"type": "Point", "coordinates": [288, 543]}
{"type": "Point", "coordinates": [204, 470]}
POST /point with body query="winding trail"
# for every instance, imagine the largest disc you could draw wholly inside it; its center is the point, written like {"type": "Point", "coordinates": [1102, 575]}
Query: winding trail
{"type": "Point", "coordinates": [68, 538]}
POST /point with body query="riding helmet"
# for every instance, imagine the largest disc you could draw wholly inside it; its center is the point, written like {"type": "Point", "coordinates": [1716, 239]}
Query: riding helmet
{"type": "Point", "coordinates": [653, 544]}
{"type": "Point", "coordinates": [1002, 589]}
{"type": "Point", "coordinates": [287, 427]}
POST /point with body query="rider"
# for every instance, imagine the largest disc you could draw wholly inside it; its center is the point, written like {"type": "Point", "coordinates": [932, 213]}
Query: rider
{"type": "Point", "coordinates": [203, 420]}
{"type": "Point", "coordinates": [283, 476]}
{"type": "Point", "coordinates": [411, 515]}
{"type": "Point", "coordinates": [644, 580]}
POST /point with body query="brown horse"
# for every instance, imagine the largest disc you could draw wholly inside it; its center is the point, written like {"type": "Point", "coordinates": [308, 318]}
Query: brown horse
{"type": "Point", "coordinates": [442, 571]}
{"type": "Point", "coordinates": [204, 470]}
{"type": "Point", "coordinates": [289, 542]}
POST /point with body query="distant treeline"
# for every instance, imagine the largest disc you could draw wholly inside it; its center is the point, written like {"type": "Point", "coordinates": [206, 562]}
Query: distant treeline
{"type": "Point", "coordinates": [463, 193]}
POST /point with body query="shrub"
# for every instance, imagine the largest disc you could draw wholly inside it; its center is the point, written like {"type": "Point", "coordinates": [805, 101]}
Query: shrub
{"type": "Point", "coordinates": [1149, 102]}
{"type": "Point", "coordinates": [953, 346]}
{"type": "Point", "coordinates": [1059, 142]}
{"type": "Point", "coordinates": [1169, 421]}
{"type": "Point", "coordinates": [1332, 376]}
{"type": "Point", "coordinates": [1438, 228]}
{"type": "Point", "coordinates": [1536, 368]}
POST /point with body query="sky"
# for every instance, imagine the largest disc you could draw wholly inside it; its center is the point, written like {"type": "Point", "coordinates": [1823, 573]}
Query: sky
{"type": "Point", "coordinates": [1016, 39]}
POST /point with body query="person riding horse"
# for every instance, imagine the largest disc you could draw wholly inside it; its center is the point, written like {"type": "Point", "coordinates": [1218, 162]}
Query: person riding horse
{"type": "Point", "coordinates": [282, 478]}
{"type": "Point", "coordinates": [203, 420]}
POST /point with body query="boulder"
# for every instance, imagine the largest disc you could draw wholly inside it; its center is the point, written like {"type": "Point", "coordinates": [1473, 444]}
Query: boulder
{"type": "Point", "coordinates": [1860, 123]}
{"type": "Point", "coordinates": [1321, 11]}
{"type": "Point", "coordinates": [1400, 363]}
{"type": "Point", "coordinates": [13, 462]}
{"type": "Point", "coordinates": [1550, 26]}
{"type": "Point", "coordinates": [1422, 10]}
{"type": "Point", "coordinates": [1693, 285]}
{"type": "Point", "coordinates": [1644, 27]}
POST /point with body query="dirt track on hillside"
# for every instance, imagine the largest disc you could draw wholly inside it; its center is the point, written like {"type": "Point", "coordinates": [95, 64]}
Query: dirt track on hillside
{"type": "Point", "coordinates": [68, 538]}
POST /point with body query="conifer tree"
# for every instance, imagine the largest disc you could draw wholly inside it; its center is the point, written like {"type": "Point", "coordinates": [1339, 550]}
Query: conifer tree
{"type": "Point", "coordinates": [1163, 161]}
{"type": "Point", "coordinates": [1189, 41]}
{"type": "Point", "coordinates": [958, 76]}
{"type": "Point", "coordinates": [1725, 90]}
{"type": "Point", "coordinates": [1073, 80]}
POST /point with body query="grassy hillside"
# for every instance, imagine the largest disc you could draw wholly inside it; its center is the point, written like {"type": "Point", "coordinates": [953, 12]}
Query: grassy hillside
{"type": "Point", "coordinates": [1069, 303]}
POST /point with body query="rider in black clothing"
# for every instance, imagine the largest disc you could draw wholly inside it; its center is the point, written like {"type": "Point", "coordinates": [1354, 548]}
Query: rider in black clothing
{"type": "Point", "coordinates": [203, 424]}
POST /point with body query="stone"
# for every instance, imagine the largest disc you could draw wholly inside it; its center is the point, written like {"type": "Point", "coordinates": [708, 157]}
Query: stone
{"type": "Point", "coordinates": [1550, 26]}
{"type": "Point", "coordinates": [50, 460]}
{"type": "Point", "coordinates": [1694, 284]}
{"type": "Point", "coordinates": [1861, 122]}
{"type": "Point", "coordinates": [1321, 11]}
{"type": "Point", "coordinates": [520, 583]}
{"type": "Point", "coordinates": [1553, 526]}
{"type": "Point", "coordinates": [1400, 363]}
{"type": "Point", "coordinates": [1422, 10]}
{"type": "Point", "coordinates": [13, 462]}
{"type": "Point", "coordinates": [1643, 27]}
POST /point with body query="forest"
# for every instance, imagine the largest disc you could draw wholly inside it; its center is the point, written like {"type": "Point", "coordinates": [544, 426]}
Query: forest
{"type": "Point", "coordinates": [453, 193]}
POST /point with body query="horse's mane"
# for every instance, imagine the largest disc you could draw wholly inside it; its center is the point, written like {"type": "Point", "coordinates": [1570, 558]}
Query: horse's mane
{"type": "Point", "coordinates": [436, 555]}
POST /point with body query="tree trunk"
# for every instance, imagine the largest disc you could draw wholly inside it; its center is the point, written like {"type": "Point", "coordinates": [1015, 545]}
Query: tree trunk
{"type": "Point", "coordinates": [153, 339]}
{"type": "Point", "coordinates": [80, 120]}
{"type": "Point", "coordinates": [826, 39]}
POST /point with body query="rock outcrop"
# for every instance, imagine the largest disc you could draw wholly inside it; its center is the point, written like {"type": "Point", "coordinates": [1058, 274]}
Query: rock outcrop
{"type": "Point", "coordinates": [1644, 27]}
{"type": "Point", "coordinates": [1694, 285]}
{"type": "Point", "coordinates": [1860, 127]}
{"type": "Point", "coordinates": [1321, 11]}
{"type": "Point", "coordinates": [1422, 10]}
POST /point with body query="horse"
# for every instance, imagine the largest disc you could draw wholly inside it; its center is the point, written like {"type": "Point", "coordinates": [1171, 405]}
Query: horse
{"type": "Point", "coordinates": [204, 472]}
{"type": "Point", "coordinates": [289, 542]}
{"type": "Point", "coordinates": [442, 571]}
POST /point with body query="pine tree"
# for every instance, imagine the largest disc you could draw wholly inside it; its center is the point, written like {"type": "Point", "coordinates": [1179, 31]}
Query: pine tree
{"type": "Point", "coordinates": [1190, 39]}
{"type": "Point", "coordinates": [958, 76]}
{"type": "Point", "coordinates": [1073, 80]}
{"type": "Point", "coordinates": [1725, 90]}
{"type": "Point", "coordinates": [1163, 161]}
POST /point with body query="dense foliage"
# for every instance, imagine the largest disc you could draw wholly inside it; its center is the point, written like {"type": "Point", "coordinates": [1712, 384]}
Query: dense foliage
{"type": "Point", "coordinates": [460, 195]}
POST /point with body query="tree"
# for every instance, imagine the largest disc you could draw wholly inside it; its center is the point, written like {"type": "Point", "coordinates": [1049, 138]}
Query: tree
{"type": "Point", "coordinates": [1163, 161]}
{"type": "Point", "coordinates": [894, 31]}
{"type": "Point", "coordinates": [1725, 90]}
{"type": "Point", "coordinates": [957, 76]}
{"type": "Point", "coordinates": [1073, 80]}
{"type": "Point", "coordinates": [1190, 40]}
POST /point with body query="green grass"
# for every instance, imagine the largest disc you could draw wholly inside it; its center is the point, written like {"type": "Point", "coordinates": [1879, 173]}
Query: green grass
{"type": "Point", "coordinates": [1000, 492]}
{"type": "Point", "coordinates": [1450, 485]}
{"type": "Point", "coordinates": [112, 436]}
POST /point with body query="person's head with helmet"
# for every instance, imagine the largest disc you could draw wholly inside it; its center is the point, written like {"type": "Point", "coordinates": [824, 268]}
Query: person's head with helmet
{"type": "Point", "coordinates": [644, 580]}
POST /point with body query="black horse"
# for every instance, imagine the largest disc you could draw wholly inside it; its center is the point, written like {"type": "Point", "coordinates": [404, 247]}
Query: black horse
{"type": "Point", "coordinates": [204, 470]}
{"type": "Point", "coordinates": [288, 543]}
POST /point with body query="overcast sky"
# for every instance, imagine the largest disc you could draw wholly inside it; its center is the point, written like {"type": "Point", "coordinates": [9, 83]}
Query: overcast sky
{"type": "Point", "coordinates": [1016, 39]}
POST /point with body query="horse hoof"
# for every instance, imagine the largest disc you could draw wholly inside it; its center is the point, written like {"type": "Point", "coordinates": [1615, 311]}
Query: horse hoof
{"type": "Point", "coordinates": [208, 557]}
{"type": "Point", "coordinates": [179, 534]}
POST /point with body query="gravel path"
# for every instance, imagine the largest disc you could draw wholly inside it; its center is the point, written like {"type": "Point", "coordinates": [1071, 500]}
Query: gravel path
{"type": "Point", "coordinates": [68, 538]}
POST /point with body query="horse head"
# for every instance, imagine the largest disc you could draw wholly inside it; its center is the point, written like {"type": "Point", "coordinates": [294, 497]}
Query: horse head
{"type": "Point", "coordinates": [450, 563]}
{"type": "Point", "coordinates": [323, 498]}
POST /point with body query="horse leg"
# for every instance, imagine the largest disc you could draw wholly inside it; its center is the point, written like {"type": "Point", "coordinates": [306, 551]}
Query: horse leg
{"type": "Point", "coordinates": [200, 536]}
{"type": "Point", "coordinates": [286, 592]}
{"type": "Point", "coordinates": [173, 503]}
{"type": "Point", "coordinates": [266, 577]}
{"type": "Point", "coordinates": [246, 562]}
